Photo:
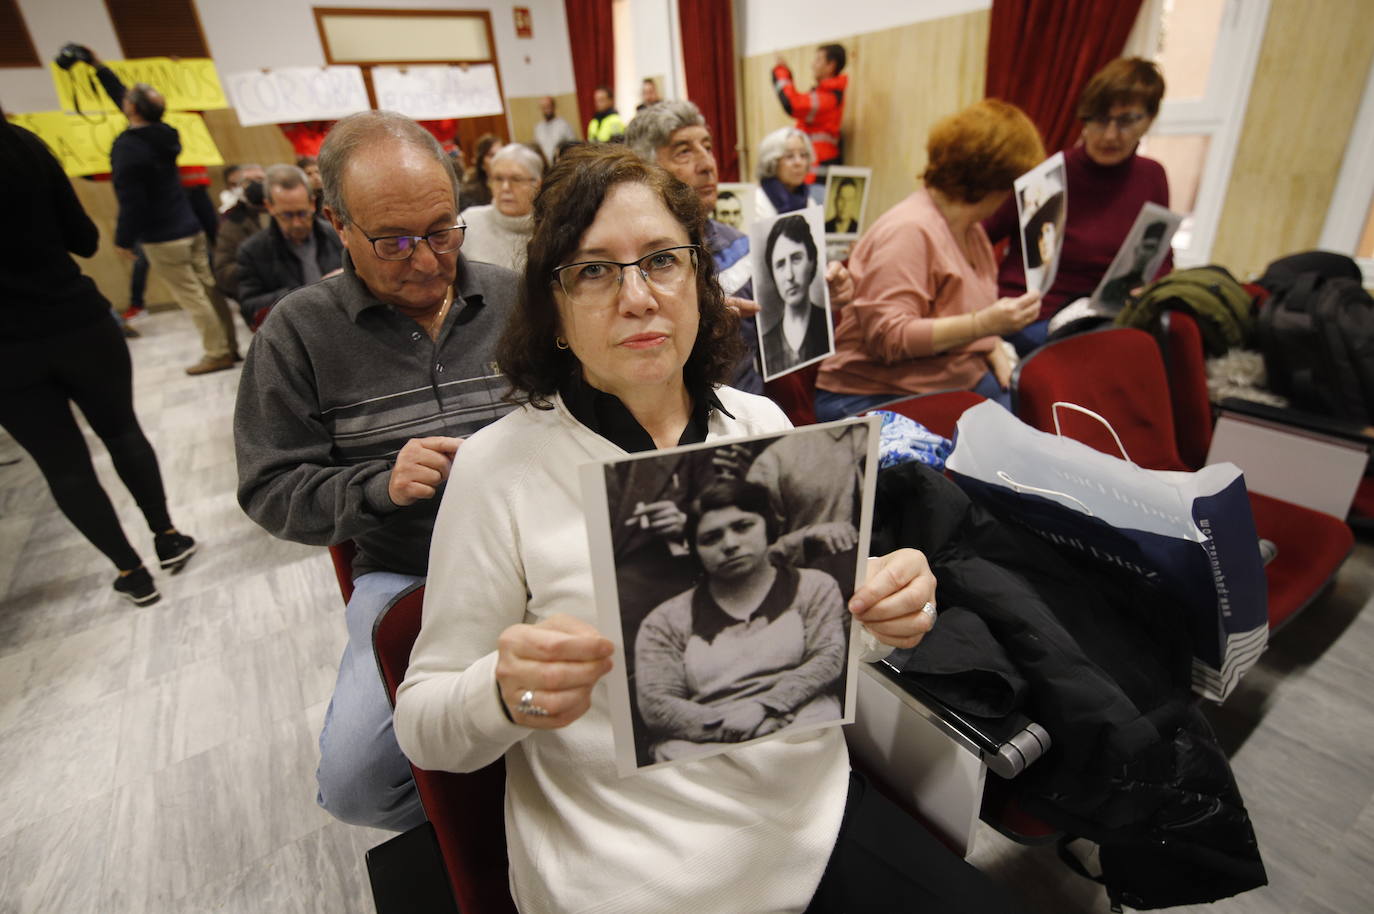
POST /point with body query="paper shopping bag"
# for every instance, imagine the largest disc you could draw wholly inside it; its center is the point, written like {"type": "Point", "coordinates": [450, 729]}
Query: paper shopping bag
{"type": "Point", "coordinates": [1190, 534]}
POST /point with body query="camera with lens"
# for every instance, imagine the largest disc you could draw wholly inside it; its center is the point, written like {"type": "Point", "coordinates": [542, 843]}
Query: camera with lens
{"type": "Point", "coordinates": [71, 53]}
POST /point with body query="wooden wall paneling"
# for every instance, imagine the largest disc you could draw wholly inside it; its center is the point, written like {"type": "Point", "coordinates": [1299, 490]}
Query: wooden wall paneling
{"type": "Point", "coordinates": [1307, 89]}
{"type": "Point", "coordinates": [524, 114]}
{"type": "Point", "coordinates": [902, 81]}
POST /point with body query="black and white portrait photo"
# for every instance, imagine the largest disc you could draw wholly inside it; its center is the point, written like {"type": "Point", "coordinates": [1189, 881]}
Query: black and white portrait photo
{"type": "Point", "coordinates": [734, 205]}
{"type": "Point", "coordinates": [724, 571]}
{"type": "Point", "coordinates": [1042, 209]}
{"type": "Point", "coordinates": [794, 324]}
{"type": "Point", "coordinates": [1139, 258]}
{"type": "Point", "coordinates": [846, 196]}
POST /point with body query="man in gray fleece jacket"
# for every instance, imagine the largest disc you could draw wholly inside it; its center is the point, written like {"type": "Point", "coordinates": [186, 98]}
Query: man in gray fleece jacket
{"type": "Point", "coordinates": [354, 398]}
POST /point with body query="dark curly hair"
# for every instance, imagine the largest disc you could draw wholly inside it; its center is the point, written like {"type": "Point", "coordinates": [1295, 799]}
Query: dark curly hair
{"type": "Point", "coordinates": [750, 497]}
{"type": "Point", "coordinates": [567, 203]}
{"type": "Point", "coordinates": [981, 150]}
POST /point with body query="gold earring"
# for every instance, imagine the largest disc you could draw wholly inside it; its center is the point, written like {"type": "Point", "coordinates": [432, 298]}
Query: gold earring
{"type": "Point", "coordinates": [560, 342]}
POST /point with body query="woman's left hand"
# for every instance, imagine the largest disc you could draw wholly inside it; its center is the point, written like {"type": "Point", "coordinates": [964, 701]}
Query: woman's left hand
{"type": "Point", "coordinates": [890, 602]}
{"type": "Point", "coordinates": [840, 282]}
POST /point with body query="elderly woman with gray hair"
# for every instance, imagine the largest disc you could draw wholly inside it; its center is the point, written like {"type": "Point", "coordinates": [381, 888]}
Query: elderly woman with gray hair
{"type": "Point", "coordinates": [785, 156]}
{"type": "Point", "coordinates": [499, 232]}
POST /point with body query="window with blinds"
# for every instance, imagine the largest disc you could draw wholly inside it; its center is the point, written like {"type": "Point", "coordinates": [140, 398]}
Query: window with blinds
{"type": "Point", "coordinates": [16, 47]}
{"type": "Point", "coordinates": [157, 28]}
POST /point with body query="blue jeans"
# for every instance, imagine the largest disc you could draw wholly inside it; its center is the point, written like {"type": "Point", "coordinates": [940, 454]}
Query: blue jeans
{"type": "Point", "coordinates": [1030, 337]}
{"type": "Point", "coordinates": [831, 406]}
{"type": "Point", "coordinates": [364, 778]}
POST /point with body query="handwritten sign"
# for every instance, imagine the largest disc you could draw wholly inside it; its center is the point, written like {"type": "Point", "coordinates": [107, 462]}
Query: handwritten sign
{"type": "Point", "coordinates": [82, 144]}
{"type": "Point", "coordinates": [431, 93]}
{"type": "Point", "coordinates": [294, 94]}
{"type": "Point", "coordinates": [188, 84]}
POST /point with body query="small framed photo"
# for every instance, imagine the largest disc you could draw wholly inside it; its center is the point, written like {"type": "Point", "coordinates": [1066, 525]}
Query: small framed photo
{"type": "Point", "coordinates": [846, 201]}
{"type": "Point", "coordinates": [1041, 207]}
{"type": "Point", "coordinates": [722, 573]}
{"type": "Point", "coordinates": [735, 205]}
{"type": "Point", "coordinates": [794, 322]}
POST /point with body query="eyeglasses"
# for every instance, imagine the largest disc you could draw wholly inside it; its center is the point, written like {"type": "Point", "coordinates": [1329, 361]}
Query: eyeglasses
{"type": "Point", "coordinates": [401, 247]}
{"type": "Point", "coordinates": [1124, 122]}
{"type": "Point", "coordinates": [498, 180]}
{"type": "Point", "coordinates": [594, 283]}
{"type": "Point", "coordinates": [297, 215]}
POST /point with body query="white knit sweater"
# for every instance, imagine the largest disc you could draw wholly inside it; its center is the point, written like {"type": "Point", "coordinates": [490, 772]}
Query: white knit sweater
{"type": "Point", "coordinates": [749, 830]}
{"type": "Point", "coordinates": [493, 237]}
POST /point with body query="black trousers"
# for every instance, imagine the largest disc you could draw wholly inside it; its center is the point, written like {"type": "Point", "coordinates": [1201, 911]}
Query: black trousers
{"type": "Point", "coordinates": [885, 861]}
{"type": "Point", "coordinates": [89, 366]}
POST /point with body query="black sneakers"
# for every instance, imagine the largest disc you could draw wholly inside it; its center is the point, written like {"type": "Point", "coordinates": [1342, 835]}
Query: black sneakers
{"type": "Point", "coordinates": [137, 586]}
{"type": "Point", "coordinates": [174, 550]}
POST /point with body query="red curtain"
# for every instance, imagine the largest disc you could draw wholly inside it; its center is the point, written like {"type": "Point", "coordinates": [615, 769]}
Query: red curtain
{"type": "Point", "coordinates": [708, 56]}
{"type": "Point", "coordinates": [591, 33]}
{"type": "Point", "coordinates": [1041, 53]}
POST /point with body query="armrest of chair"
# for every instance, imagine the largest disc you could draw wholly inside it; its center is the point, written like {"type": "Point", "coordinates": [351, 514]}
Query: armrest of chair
{"type": "Point", "coordinates": [1005, 745]}
{"type": "Point", "coordinates": [1343, 429]}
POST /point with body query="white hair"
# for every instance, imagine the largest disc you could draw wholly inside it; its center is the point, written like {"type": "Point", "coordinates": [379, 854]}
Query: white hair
{"type": "Point", "coordinates": [774, 147]}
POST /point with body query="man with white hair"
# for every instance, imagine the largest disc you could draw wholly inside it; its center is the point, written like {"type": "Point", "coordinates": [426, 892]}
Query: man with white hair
{"type": "Point", "coordinates": [674, 135]}
{"type": "Point", "coordinates": [355, 397]}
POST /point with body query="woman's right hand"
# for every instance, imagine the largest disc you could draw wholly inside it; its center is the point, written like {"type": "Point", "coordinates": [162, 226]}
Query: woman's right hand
{"type": "Point", "coordinates": [560, 660]}
{"type": "Point", "coordinates": [1008, 315]}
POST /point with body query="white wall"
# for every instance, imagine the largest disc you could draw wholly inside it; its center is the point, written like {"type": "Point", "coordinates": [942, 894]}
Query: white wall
{"type": "Point", "coordinates": [770, 25]}
{"type": "Point", "coordinates": [249, 34]}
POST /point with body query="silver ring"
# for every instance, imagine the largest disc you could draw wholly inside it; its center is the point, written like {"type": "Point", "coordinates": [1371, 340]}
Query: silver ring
{"type": "Point", "coordinates": [929, 610]}
{"type": "Point", "coordinates": [527, 707]}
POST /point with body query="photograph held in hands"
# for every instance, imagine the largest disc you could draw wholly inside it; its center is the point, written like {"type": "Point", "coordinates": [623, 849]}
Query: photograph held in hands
{"type": "Point", "coordinates": [722, 574]}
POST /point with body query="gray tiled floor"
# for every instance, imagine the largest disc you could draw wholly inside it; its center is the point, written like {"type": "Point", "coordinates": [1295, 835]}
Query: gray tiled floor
{"type": "Point", "coordinates": [161, 759]}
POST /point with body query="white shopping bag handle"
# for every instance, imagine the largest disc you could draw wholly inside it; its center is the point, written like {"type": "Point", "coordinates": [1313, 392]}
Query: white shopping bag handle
{"type": "Point", "coordinates": [1087, 412]}
{"type": "Point", "coordinates": [1022, 487]}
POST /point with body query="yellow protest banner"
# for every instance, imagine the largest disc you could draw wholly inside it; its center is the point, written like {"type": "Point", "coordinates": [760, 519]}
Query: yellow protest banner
{"type": "Point", "coordinates": [82, 144]}
{"type": "Point", "coordinates": [188, 84]}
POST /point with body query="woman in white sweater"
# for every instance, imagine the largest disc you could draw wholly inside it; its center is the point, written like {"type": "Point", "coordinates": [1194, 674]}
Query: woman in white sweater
{"type": "Point", "coordinates": [500, 231]}
{"type": "Point", "coordinates": [618, 344]}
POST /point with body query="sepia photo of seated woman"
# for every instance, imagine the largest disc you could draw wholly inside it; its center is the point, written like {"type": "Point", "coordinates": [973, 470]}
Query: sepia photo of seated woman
{"type": "Point", "coordinates": [752, 647]}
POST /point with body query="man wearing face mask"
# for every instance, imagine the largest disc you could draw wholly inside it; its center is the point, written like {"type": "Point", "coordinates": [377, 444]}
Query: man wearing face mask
{"type": "Point", "coordinates": [296, 249]}
{"type": "Point", "coordinates": [241, 221]}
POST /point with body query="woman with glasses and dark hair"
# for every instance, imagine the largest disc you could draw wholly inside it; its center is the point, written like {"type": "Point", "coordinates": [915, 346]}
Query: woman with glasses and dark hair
{"type": "Point", "coordinates": [753, 647]}
{"type": "Point", "coordinates": [60, 345]}
{"type": "Point", "coordinates": [796, 330]}
{"type": "Point", "coordinates": [619, 343]}
{"type": "Point", "coordinates": [1107, 184]}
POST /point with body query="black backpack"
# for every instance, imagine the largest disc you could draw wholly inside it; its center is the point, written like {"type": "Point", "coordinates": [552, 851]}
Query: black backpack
{"type": "Point", "coordinates": [1317, 335]}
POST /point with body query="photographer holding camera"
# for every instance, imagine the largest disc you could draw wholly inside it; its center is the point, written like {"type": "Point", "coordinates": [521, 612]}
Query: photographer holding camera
{"type": "Point", "coordinates": [155, 211]}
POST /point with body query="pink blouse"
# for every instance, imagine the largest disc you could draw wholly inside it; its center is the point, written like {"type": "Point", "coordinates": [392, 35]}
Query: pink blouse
{"type": "Point", "coordinates": [908, 270]}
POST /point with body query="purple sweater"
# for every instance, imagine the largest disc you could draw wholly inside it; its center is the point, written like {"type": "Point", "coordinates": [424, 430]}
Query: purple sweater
{"type": "Point", "coordinates": [1103, 203]}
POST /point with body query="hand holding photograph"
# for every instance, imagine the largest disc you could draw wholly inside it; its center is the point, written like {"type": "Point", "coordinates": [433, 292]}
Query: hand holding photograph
{"type": "Point", "coordinates": [722, 573]}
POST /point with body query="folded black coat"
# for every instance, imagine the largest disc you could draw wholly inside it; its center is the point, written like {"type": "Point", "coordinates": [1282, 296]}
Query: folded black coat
{"type": "Point", "coordinates": [1134, 765]}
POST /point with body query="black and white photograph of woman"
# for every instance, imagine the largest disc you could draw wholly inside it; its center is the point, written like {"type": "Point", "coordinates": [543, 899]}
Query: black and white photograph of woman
{"type": "Point", "coordinates": [1042, 207]}
{"type": "Point", "coordinates": [752, 635]}
{"type": "Point", "coordinates": [789, 281]}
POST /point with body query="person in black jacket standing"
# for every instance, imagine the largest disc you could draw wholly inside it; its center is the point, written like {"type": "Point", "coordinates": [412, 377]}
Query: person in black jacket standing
{"type": "Point", "coordinates": [154, 211]}
{"type": "Point", "coordinates": [59, 344]}
{"type": "Point", "coordinates": [296, 249]}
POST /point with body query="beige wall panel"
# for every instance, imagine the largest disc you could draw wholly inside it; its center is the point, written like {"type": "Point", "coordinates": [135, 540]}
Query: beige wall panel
{"type": "Point", "coordinates": [901, 82]}
{"type": "Point", "coordinates": [1306, 92]}
{"type": "Point", "coordinates": [525, 113]}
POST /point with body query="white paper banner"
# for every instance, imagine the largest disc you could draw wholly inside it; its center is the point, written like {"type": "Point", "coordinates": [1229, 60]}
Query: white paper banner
{"type": "Point", "coordinates": [434, 92]}
{"type": "Point", "coordinates": [293, 94]}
